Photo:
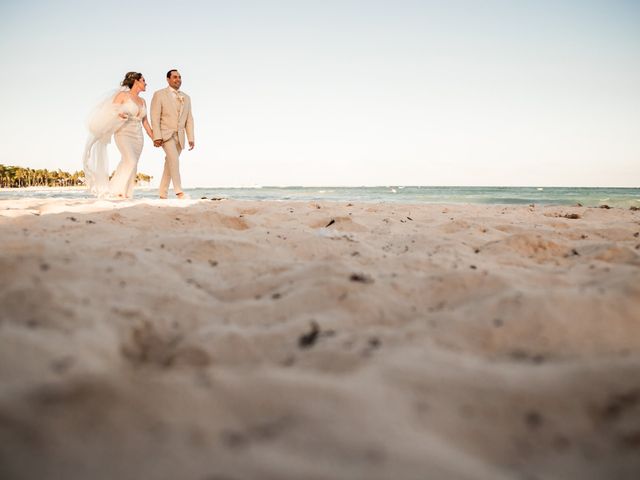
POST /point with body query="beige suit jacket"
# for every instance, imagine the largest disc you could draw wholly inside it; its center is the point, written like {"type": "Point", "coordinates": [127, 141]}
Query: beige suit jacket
{"type": "Point", "coordinates": [165, 120]}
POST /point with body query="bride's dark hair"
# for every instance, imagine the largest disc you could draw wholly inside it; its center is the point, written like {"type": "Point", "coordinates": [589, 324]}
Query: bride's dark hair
{"type": "Point", "coordinates": [130, 78]}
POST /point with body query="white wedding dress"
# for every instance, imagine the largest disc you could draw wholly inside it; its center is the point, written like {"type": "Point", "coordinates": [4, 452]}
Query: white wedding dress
{"type": "Point", "coordinates": [129, 141]}
{"type": "Point", "coordinates": [106, 121]}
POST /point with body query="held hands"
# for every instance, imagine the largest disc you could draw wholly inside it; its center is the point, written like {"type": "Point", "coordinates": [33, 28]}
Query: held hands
{"type": "Point", "coordinates": [158, 143]}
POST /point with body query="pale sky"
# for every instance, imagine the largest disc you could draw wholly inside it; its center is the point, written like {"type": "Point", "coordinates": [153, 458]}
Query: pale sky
{"type": "Point", "coordinates": [328, 93]}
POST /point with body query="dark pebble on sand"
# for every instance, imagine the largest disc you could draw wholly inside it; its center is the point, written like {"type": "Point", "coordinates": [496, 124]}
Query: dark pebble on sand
{"type": "Point", "coordinates": [289, 361]}
{"type": "Point", "coordinates": [234, 439]}
{"type": "Point", "coordinates": [44, 267]}
{"type": "Point", "coordinates": [522, 356]}
{"type": "Point", "coordinates": [605, 206]}
{"type": "Point", "coordinates": [330, 223]}
{"type": "Point", "coordinates": [637, 234]}
{"type": "Point", "coordinates": [213, 263]}
{"type": "Point", "coordinates": [498, 322]}
{"type": "Point", "coordinates": [473, 267]}
{"type": "Point", "coordinates": [630, 440]}
{"type": "Point", "coordinates": [90, 222]}
{"type": "Point", "coordinates": [533, 419]}
{"type": "Point", "coordinates": [538, 359]}
{"type": "Point", "coordinates": [308, 339]}
{"type": "Point", "coordinates": [620, 404]}
{"type": "Point", "coordinates": [358, 277]}
{"type": "Point", "coordinates": [572, 216]}
{"type": "Point", "coordinates": [73, 219]}
{"type": "Point", "coordinates": [561, 443]}
{"type": "Point", "coordinates": [634, 208]}
{"type": "Point", "coordinates": [61, 365]}
{"type": "Point", "coordinates": [276, 296]}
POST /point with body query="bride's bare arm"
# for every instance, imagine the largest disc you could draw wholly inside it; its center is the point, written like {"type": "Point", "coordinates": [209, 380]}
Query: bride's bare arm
{"type": "Point", "coordinates": [147, 127]}
{"type": "Point", "coordinates": [145, 123]}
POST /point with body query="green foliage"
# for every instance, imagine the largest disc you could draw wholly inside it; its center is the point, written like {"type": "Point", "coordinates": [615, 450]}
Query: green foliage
{"type": "Point", "coordinates": [143, 177]}
{"type": "Point", "coordinates": [16, 177]}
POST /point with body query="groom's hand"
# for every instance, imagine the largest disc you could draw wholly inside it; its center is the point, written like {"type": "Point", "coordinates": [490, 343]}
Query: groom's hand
{"type": "Point", "coordinates": [157, 143]}
{"type": "Point", "coordinates": [191, 145]}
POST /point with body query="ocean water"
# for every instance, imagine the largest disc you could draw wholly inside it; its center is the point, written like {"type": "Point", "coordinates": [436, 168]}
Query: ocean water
{"type": "Point", "coordinates": [614, 197]}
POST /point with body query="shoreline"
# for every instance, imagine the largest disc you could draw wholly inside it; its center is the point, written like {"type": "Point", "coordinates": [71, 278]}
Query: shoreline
{"type": "Point", "coordinates": [621, 198]}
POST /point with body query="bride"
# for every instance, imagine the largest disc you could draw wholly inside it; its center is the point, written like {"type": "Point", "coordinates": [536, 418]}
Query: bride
{"type": "Point", "coordinates": [122, 115]}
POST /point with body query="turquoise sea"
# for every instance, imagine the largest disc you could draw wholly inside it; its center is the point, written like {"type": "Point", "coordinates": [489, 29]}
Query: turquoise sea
{"type": "Point", "coordinates": [614, 197]}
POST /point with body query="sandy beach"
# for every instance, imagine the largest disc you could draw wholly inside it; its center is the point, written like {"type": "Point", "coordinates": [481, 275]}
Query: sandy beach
{"type": "Point", "coordinates": [230, 340]}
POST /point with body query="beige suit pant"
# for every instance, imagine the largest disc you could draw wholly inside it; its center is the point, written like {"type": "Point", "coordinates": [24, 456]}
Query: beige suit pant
{"type": "Point", "coordinates": [171, 172]}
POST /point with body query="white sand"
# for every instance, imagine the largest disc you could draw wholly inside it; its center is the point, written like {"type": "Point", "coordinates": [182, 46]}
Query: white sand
{"type": "Point", "coordinates": [152, 339]}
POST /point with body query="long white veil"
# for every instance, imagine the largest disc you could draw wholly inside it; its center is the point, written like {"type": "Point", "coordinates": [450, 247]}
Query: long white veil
{"type": "Point", "coordinates": [104, 120]}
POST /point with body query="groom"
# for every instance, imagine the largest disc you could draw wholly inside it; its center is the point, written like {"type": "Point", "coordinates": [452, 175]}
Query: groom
{"type": "Point", "coordinates": [170, 119]}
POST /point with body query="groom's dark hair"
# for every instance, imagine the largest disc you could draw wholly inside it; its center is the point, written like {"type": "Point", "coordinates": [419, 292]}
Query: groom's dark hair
{"type": "Point", "coordinates": [169, 72]}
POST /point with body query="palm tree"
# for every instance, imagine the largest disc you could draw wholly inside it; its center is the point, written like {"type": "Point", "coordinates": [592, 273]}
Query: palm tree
{"type": "Point", "coordinates": [143, 177]}
{"type": "Point", "coordinates": [13, 177]}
